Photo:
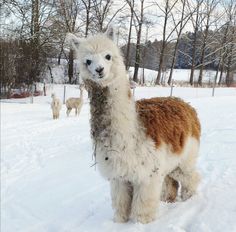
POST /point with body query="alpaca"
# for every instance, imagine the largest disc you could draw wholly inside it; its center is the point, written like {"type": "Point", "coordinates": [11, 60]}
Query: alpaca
{"type": "Point", "coordinates": [140, 147]}
{"type": "Point", "coordinates": [75, 103]}
{"type": "Point", "coordinates": [56, 106]}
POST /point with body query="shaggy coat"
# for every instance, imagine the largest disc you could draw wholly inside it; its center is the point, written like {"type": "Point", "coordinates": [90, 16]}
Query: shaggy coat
{"type": "Point", "coordinates": [55, 106]}
{"type": "Point", "coordinates": [146, 149]}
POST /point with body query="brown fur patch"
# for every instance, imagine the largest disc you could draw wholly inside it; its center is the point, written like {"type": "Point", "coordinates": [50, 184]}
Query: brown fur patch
{"type": "Point", "coordinates": [169, 120]}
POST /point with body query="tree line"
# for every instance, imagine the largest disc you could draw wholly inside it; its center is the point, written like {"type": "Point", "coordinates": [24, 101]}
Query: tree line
{"type": "Point", "coordinates": [161, 35]}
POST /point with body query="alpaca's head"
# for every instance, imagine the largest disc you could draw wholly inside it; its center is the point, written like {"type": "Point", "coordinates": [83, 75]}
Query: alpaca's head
{"type": "Point", "coordinates": [99, 57]}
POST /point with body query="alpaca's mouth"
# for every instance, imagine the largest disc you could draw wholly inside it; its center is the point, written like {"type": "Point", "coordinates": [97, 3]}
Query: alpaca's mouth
{"type": "Point", "coordinates": [100, 76]}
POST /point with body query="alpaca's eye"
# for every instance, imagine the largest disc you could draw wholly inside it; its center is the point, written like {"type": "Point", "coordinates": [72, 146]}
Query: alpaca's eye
{"type": "Point", "coordinates": [88, 62]}
{"type": "Point", "coordinates": [108, 57]}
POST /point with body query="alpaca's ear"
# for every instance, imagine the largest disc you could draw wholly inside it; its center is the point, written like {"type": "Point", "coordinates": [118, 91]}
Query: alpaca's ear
{"type": "Point", "coordinates": [72, 40]}
{"type": "Point", "coordinates": [111, 33]}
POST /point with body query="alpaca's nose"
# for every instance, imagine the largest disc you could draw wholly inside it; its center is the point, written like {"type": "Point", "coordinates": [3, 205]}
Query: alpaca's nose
{"type": "Point", "coordinates": [99, 70]}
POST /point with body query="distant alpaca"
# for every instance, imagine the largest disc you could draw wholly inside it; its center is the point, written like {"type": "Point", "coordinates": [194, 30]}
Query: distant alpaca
{"type": "Point", "coordinates": [56, 107]}
{"type": "Point", "coordinates": [138, 145]}
{"type": "Point", "coordinates": [75, 103]}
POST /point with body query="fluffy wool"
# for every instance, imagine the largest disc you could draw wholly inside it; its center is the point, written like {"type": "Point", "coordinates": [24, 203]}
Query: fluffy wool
{"type": "Point", "coordinates": [135, 149]}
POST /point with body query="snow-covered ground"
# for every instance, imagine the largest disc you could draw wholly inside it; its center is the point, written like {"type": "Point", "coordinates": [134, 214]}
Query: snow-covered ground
{"type": "Point", "coordinates": [48, 184]}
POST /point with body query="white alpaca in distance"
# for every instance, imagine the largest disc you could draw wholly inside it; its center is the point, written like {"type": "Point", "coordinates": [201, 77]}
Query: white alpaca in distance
{"type": "Point", "coordinates": [137, 144]}
{"type": "Point", "coordinates": [55, 106]}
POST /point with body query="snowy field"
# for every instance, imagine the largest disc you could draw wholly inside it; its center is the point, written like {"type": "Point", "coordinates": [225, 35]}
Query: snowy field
{"type": "Point", "coordinates": [48, 184]}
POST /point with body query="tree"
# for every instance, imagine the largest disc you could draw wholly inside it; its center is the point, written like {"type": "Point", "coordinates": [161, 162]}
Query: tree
{"type": "Point", "coordinates": [127, 54]}
{"type": "Point", "coordinates": [196, 22]}
{"type": "Point", "coordinates": [31, 35]}
{"type": "Point", "coordinates": [227, 43]}
{"type": "Point", "coordinates": [138, 22]}
{"type": "Point", "coordinates": [87, 6]}
{"type": "Point", "coordinates": [167, 10]}
{"type": "Point", "coordinates": [184, 19]}
{"type": "Point", "coordinates": [210, 6]}
{"type": "Point", "coordinates": [67, 20]}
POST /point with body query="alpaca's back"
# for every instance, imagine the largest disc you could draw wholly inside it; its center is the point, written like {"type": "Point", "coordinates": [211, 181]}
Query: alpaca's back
{"type": "Point", "coordinates": [73, 102]}
{"type": "Point", "coordinates": [169, 120]}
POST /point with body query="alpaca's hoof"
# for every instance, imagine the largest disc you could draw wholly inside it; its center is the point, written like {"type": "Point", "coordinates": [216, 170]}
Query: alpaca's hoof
{"type": "Point", "coordinates": [119, 218]}
{"type": "Point", "coordinates": [185, 194]}
{"type": "Point", "coordinates": [144, 219]}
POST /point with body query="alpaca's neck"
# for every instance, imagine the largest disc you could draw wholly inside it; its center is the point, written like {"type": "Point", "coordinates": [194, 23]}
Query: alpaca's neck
{"type": "Point", "coordinates": [112, 111]}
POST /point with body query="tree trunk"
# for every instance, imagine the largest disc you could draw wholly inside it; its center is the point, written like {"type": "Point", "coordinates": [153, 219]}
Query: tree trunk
{"type": "Point", "coordinates": [137, 55]}
{"type": "Point", "coordinates": [88, 8]}
{"type": "Point", "coordinates": [193, 57]}
{"type": "Point", "coordinates": [127, 63]}
{"type": "Point", "coordinates": [181, 27]}
{"type": "Point", "coordinates": [202, 59]}
{"type": "Point", "coordinates": [71, 66]}
{"type": "Point", "coordinates": [160, 64]}
{"type": "Point", "coordinates": [229, 74]}
{"type": "Point", "coordinates": [173, 62]}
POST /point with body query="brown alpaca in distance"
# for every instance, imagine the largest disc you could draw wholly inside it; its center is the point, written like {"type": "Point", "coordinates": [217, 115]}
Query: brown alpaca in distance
{"type": "Point", "coordinates": [75, 103]}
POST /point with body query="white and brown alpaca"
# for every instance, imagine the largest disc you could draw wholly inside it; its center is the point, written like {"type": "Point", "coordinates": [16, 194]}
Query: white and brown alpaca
{"type": "Point", "coordinates": [55, 106]}
{"type": "Point", "coordinates": [138, 145]}
{"type": "Point", "coordinates": [75, 103]}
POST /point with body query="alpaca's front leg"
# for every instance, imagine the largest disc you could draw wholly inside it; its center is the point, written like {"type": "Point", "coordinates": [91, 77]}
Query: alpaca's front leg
{"type": "Point", "coordinates": [146, 200]}
{"type": "Point", "coordinates": [121, 194]}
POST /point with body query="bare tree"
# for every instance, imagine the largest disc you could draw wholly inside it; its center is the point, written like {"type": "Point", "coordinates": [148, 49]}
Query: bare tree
{"type": "Point", "coordinates": [67, 19]}
{"type": "Point", "coordinates": [167, 10]}
{"type": "Point", "coordinates": [104, 12]}
{"type": "Point", "coordinates": [231, 49]}
{"type": "Point", "coordinates": [88, 6]}
{"type": "Point", "coordinates": [210, 6]}
{"type": "Point", "coordinates": [32, 36]}
{"type": "Point", "coordinates": [138, 12]}
{"type": "Point", "coordinates": [184, 19]}
{"type": "Point", "coordinates": [227, 53]}
{"type": "Point", "coordinates": [196, 22]}
{"type": "Point", "coordinates": [131, 4]}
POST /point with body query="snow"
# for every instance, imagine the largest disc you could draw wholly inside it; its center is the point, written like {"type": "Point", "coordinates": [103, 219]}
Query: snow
{"type": "Point", "coordinates": [48, 184]}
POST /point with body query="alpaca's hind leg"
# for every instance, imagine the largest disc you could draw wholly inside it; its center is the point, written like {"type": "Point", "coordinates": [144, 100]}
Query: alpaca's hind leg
{"type": "Point", "coordinates": [169, 189]}
{"type": "Point", "coordinates": [187, 174]}
{"type": "Point", "coordinates": [121, 194]}
{"type": "Point", "coordinates": [189, 180]}
{"type": "Point", "coordinates": [79, 109]}
{"type": "Point", "coordinates": [146, 200]}
{"type": "Point", "coordinates": [68, 111]}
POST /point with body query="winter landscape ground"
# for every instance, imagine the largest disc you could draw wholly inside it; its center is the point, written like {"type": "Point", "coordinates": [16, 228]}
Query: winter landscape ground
{"type": "Point", "coordinates": [48, 184]}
